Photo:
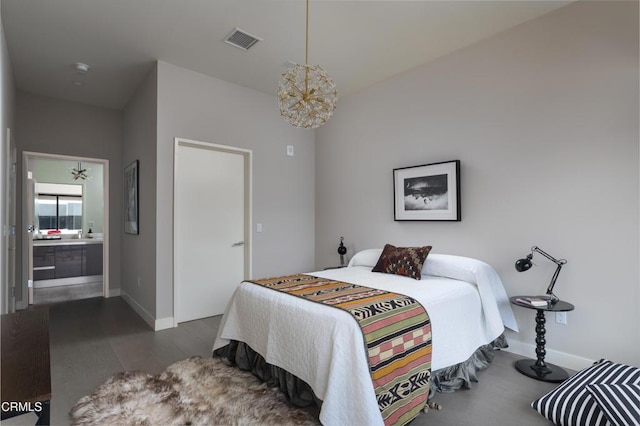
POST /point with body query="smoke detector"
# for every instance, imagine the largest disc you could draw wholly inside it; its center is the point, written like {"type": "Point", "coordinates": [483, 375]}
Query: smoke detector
{"type": "Point", "coordinates": [81, 68]}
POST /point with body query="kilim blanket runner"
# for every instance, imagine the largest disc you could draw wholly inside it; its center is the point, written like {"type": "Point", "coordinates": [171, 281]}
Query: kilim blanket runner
{"type": "Point", "coordinates": [397, 337]}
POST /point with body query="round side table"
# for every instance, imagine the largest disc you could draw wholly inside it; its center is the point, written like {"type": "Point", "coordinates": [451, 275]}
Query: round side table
{"type": "Point", "coordinates": [538, 369]}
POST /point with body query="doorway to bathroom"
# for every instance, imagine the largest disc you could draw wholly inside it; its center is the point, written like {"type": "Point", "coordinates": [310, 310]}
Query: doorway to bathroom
{"type": "Point", "coordinates": [66, 214]}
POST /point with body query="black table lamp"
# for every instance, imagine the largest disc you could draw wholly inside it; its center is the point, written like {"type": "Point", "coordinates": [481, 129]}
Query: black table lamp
{"type": "Point", "coordinates": [525, 264]}
{"type": "Point", "coordinates": [342, 250]}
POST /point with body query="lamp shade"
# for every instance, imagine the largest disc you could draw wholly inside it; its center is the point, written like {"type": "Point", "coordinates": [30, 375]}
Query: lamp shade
{"type": "Point", "coordinates": [523, 265]}
{"type": "Point", "coordinates": [342, 250]}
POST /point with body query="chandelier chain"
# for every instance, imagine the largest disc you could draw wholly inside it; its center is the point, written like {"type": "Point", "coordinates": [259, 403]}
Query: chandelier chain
{"type": "Point", "coordinates": [306, 57]}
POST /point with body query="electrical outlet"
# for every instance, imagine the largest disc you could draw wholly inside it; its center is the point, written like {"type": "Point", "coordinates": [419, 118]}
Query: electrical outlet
{"type": "Point", "coordinates": [561, 318]}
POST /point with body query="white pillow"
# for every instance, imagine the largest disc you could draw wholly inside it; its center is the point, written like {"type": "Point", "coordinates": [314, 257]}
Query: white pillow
{"type": "Point", "coordinates": [367, 257]}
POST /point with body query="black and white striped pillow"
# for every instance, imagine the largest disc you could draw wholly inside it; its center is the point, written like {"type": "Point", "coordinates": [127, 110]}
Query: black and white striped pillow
{"type": "Point", "coordinates": [571, 403]}
{"type": "Point", "coordinates": [620, 403]}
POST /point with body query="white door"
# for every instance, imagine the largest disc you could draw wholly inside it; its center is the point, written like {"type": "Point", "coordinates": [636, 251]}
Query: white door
{"type": "Point", "coordinates": [210, 219]}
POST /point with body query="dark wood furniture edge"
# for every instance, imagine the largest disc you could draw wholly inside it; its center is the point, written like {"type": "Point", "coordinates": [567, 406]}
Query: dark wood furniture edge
{"type": "Point", "coordinates": [26, 362]}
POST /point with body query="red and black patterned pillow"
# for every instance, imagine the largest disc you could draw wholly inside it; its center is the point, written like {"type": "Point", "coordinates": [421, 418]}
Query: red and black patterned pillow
{"type": "Point", "coordinates": [405, 261]}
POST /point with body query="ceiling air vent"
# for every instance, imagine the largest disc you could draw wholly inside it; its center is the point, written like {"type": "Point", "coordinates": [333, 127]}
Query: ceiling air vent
{"type": "Point", "coordinates": [241, 39]}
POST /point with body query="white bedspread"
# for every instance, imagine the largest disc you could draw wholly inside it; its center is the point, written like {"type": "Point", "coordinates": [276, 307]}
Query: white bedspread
{"type": "Point", "coordinates": [324, 346]}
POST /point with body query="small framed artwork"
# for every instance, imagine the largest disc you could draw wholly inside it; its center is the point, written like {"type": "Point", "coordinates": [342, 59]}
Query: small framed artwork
{"type": "Point", "coordinates": [427, 192]}
{"type": "Point", "coordinates": [131, 215]}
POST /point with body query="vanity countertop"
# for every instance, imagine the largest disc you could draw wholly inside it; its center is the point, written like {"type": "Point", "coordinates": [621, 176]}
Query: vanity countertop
{"type": "Point", "coordinates": [67, 241]}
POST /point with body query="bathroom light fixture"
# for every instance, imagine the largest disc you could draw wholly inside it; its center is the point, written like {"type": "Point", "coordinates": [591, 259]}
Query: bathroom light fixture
{"type": "Point", "coordinates": [79, 172]}
{"type": "Point", "coordinates": [306, 93]}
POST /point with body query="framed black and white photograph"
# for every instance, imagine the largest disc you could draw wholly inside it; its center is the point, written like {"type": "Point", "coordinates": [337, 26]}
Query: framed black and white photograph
{"type": "Point", "coordinates": [131, 215]}
{"type": "Point", "coordinates": [427, 192]}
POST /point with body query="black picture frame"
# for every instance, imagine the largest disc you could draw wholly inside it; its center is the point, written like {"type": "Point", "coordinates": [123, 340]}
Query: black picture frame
{"type": "Point", "coordinates": [131, 210]}
{"type": "Point", "coordinates": [427, 192]}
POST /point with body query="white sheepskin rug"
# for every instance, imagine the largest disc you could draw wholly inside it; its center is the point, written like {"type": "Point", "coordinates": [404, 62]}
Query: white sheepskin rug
{"type": "Point", "coordinates": [195, 391]}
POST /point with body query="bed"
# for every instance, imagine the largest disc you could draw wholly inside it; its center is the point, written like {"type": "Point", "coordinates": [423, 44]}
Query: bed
{"type": "Point", "coordinates": [323, 346]}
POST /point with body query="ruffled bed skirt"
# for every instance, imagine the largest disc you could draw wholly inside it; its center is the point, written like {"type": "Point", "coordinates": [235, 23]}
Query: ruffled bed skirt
{"type": "Point", "coordinates": [300, 394]}
{"type": "Point", "coordinates": [461, 375]}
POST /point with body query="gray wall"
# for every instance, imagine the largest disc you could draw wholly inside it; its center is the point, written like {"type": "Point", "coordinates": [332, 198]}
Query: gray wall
{"type": "Point", "coordinates": [52, 126]}
{"type": "Point", "coordinates": [7, 114]}
{"type": "Point", "coordinates": [198, 107]}
{"type": "Point", "coordinates": [139, 140]}
{"type": "Point", "coordinates": [544, 118]}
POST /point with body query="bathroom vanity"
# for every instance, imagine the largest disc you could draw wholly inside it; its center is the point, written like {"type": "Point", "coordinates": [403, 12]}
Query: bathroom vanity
{"type": "Point", "coordinates": [66, 261]}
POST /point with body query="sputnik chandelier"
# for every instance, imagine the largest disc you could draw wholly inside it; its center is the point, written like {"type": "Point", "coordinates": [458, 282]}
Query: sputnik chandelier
{"type": "Point", "coordinates": [307, 95]}
{"type": "Point", "coordinates": [79, 172]}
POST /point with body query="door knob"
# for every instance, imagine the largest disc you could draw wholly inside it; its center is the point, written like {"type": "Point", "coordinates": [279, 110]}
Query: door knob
{"type": "Point", "coordinates": [238, 244]}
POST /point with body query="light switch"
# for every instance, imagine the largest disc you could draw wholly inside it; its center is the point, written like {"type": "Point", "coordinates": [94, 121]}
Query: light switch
{"type": "Point", "coordinates": [258, 227]}
{"type": "Point", "coordinates": [290, 151]}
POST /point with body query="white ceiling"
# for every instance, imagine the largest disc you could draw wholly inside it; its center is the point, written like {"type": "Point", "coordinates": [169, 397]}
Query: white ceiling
{"type": "Point", "coordinates": [358, 42]}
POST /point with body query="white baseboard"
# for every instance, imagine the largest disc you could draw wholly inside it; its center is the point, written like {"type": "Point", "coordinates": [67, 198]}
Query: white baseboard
{"type": "Point", "coordinates": [144, 314]}
{"type": "Point", "coordinates": [114, 292]}
{"type": "Point", "coordinates": [572, 362]}
{"type": "Point", "coordinates": [155, 324]}
{"type": "Point", "coordinates": [164, 323]}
